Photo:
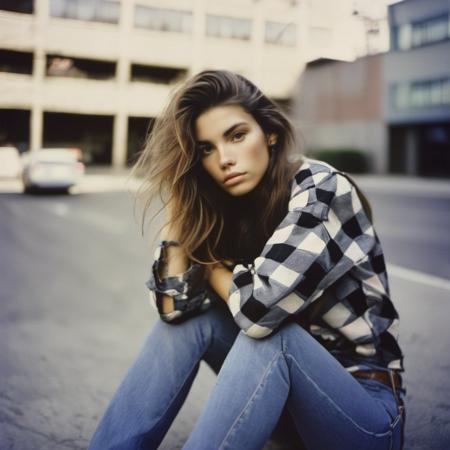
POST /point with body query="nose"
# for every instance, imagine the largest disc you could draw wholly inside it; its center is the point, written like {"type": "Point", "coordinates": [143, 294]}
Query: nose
{"type": "Point", "coordinates": [226, 157]}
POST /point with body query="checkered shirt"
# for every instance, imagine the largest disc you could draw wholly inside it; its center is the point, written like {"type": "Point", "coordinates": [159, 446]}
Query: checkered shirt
{"type": "Point", "coordinates": [325, 249]}
{"type": "Point", "coordinates": [187, 289]}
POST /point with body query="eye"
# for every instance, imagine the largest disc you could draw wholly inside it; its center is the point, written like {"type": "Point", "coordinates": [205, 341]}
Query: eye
{"type": "Point", "coordinates": [205, 149]}
{"type": "Point", "coordinates": [239, 136]}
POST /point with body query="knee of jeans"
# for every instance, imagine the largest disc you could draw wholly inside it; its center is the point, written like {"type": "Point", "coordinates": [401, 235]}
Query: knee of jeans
{"type": "Point", "coordinates": [253, 344]}
{"type": "Point", "coordinates": [196, 328]}
{"type": "Point", "coordinates": [292, 332]}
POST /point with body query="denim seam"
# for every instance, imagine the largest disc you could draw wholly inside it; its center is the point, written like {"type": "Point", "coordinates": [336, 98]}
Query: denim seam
{"type": "Point", "coordinates": [338, 408]}
{"type": "Point", "coordinates": [251, 399]}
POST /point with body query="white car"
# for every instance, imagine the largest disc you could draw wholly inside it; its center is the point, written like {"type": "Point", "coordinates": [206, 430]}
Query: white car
{"type": "Point", "coordinates": [52, 168]}
{"type": "Point", "coordinates": [10, 162]}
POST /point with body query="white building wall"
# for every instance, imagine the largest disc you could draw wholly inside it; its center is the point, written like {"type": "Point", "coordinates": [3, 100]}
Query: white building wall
{"type": "Point", "coordinates": [275, 68]}
{"type": "Point", "coordinates": [125, 44]}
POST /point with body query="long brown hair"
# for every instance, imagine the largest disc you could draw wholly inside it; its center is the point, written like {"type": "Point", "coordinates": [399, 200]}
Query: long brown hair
{"type": "Point", "coordinates": [211, 225]}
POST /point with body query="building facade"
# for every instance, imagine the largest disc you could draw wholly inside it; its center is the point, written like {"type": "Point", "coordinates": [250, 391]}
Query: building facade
{"type": "Point", "coordinates": [339, 105]}
{"type": "Point", "coordinates": [417, 88]}
{"type": "Point", "coordinates": [394, 106]}
{"type": "Point", "coordinates": [94, 73]}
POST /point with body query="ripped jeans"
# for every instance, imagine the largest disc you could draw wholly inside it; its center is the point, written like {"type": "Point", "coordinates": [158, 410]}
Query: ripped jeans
{"type": "Point", "coordinates": [288, 374]}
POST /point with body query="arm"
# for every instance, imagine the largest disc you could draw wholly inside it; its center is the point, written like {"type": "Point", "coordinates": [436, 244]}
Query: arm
{"type": "Point", "coordinates": [324, 234]}
{"type": "Point", "coordinates": [177, 286]}
{"type": "Point", "coordinates": [176, 263]}
{"type": "Point", "coordinates": [220, 279]}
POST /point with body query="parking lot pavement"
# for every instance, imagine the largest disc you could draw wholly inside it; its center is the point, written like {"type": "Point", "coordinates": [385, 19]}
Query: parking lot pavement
{"type": "Point", "coordinates": [95, 180]}
{"type": "Point", "coordinates": [423, 303]}
{"type": "Point", "coordinates": [105, 179]}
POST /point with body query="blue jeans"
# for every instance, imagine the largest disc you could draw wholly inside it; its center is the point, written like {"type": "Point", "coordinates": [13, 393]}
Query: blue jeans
{"type": "Point", "coordinates": [288, 374]}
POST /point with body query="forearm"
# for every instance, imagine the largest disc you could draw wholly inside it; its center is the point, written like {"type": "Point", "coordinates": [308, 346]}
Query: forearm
{"type": "Point", "coordinates": [220, 280]}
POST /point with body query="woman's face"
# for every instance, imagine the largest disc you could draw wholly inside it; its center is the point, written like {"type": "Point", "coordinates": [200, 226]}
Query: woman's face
{"type": "Point", "coordinates": [233, 148]}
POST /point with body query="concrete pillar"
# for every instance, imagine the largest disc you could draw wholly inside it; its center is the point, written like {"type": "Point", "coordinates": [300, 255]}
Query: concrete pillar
{"type": "Point", "coordinates": [36, 128]}
{"type": "Point", "coordinates": [120, 140]}
{"type": "Point", "coordinates": [120, 125]}
{"type": "Point", "coordinates": [36, 119]}
{"type": "Point", "coordinates": [198, 36]}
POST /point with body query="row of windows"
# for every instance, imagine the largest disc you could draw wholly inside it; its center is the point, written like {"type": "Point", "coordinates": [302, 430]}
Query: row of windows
{"type": "Point", "coordinates": [62, 66]}
{"type": "Point", "coordinates": [413, 35]}
{"type": "Point", "coordinates": [159, 19]}
{"type": "Point", "coordinates": [422, 94]}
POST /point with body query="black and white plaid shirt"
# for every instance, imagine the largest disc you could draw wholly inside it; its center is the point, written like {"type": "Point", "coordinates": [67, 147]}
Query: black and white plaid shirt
{"type": "Point", "coordinates": [323, 268]}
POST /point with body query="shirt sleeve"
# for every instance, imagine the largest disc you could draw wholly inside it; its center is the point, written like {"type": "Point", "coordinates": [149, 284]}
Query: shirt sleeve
{"type": "Point", "coordinates": [324, 234]}
{"type": "Point", "coordinates": [187, 289]}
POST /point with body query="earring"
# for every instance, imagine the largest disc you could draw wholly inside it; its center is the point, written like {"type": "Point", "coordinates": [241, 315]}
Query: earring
{"type": "Point", "coordinates": [271, 150]}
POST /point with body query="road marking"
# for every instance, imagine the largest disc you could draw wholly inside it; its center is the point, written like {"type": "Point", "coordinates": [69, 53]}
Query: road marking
{"type": "Point", "coordinates": [418, 277]}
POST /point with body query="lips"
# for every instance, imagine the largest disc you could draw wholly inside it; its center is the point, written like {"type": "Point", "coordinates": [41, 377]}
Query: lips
{"type": "Point", "coordinates": [229, 178]}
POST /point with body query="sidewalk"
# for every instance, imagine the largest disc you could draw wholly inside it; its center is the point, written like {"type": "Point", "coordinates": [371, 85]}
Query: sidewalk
{"type": "Point", "coordinates": [403, 184]}
{"type": "Point", "coordinates": [44, 328]}
{"type": "Point", "coordinates": [109, 179]}
{"type": "Point", "coordinates": [97, 179]}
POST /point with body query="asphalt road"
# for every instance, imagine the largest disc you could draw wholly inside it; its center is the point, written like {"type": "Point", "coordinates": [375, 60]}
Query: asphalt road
{"type": "Point", "coordinates": [414, 231]}
{"type": "Point", "coordinates": [74, 313]}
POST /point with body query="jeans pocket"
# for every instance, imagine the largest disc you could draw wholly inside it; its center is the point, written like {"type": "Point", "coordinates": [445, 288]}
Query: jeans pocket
{"type": "Point", "coordinates": [384, 395]}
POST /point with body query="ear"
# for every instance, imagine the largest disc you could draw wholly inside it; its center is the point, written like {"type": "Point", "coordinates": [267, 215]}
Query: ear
{"type": "Point", "coordinates": [272, 139]}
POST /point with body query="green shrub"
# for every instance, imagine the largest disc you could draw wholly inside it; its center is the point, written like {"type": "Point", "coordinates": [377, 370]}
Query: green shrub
{"type": "Point", "coordinates": [350, 160]}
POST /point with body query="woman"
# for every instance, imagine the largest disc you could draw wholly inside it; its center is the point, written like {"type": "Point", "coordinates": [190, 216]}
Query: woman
{"type": "Point", "coordinates": [271, 272]}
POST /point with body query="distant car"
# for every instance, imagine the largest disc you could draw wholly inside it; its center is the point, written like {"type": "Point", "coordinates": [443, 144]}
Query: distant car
{"type": "Point", "coordinates": [10, 162]}
{"type": "Point", "coordinates": [52, 168]}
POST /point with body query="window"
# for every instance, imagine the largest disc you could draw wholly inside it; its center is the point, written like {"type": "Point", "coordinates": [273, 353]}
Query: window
{"type": "Point", "coordinates": [16, 62]}
{"type": "Point", "coordinates": [422, 33]}
{"type": "Point", "coordinates": [63, 66]}
{"type": "Point", "coordinates": [20, 6]}
{"type": "Point", "coordinates": [228, 27]}
{"type": "Point", "coordinates": [162, 19]}
{"type": "Point", "coordinates": [404, 37]}
{"type": "Point", "coordinates": [281, 33]}
{"type": "Point", "coordinates": [106, 11]}
{"type": "Point", "coordinates": [156, 74]}
{"type": "Point", "coordinates": [421, 94]}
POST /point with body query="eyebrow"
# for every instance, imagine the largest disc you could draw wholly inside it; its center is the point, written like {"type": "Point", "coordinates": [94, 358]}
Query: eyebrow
{"type": "Point", "coordinates": [227, 132]}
